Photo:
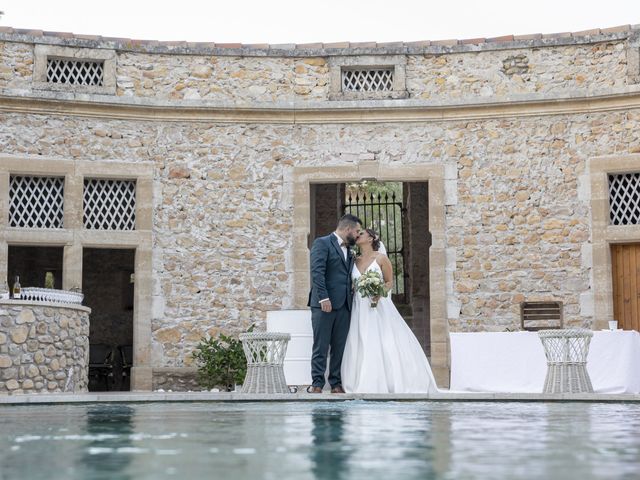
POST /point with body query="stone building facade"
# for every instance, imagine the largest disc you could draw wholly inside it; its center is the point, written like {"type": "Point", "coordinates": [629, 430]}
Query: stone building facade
{"type": "Point", "coordinates": [514, 136]}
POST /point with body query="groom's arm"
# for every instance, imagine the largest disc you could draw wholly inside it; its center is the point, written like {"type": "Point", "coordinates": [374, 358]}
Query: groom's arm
{"type": "Point", "coordinates": [319, 254]}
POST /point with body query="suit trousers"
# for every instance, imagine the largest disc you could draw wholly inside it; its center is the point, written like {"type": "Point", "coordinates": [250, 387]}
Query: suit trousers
{"type": "Point", "coordinates": [330, 330]}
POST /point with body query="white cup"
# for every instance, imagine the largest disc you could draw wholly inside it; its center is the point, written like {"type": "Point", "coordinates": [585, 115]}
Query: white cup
{"type": "Point", "coordinates": [613, 324]}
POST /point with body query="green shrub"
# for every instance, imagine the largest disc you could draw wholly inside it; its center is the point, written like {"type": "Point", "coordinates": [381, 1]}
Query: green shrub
{"type": "Point", "coordinates": [221, 361]}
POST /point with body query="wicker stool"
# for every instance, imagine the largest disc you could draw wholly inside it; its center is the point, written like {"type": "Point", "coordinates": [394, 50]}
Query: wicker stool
{"type": "Point", "coordinates": [265, 354]}
{"type": "Point", "coordinates": [566, 352]}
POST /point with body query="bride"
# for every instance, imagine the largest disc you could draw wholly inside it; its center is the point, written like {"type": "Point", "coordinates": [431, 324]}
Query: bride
{"type": "Point", "coordinates": [381, 355]}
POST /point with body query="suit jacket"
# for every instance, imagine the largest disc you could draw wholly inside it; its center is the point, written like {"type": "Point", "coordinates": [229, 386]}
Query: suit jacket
{"type": "Point", "coordinates": [330, 273]}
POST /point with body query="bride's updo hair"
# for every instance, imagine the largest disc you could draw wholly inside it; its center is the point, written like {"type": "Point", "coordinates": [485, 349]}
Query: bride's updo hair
{"type": "Point", "coordinates": [376, 239]}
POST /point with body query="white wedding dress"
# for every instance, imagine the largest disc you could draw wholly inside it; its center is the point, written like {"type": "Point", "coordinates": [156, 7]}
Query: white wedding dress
{"type": "Point", "coordinates": [382, 355]}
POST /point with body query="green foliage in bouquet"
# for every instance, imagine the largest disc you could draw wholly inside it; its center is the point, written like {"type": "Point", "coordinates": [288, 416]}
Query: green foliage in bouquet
{"type": "Point", "coordinates": [221, 361]}
{"type": "Point", "coordinates": [371, 284]}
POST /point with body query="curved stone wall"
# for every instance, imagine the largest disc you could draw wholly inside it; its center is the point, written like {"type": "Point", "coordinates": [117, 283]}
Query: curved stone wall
{"type": "Point", "coordinates": [245, 75]}
{"type": "Point", "coordinates": [224, 141]}
{"type": "Point", "coordinates": [40, 345]}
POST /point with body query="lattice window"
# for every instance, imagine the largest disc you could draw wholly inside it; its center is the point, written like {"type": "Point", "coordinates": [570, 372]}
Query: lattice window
{"type": "Point", "coordinates": [109, 204]}
{"type": "Point", "coordinates": [36, 202]}
{"type": "Point", "coordinates": [75, 72]}
{"type": "Point", "coordinates": [367, 80]}
{"type": "Point", "coordinates": [624, 199]}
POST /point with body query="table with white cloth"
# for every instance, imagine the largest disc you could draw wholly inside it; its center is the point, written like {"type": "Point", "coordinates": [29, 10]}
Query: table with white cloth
{"type": "Point", "coordinates": [514, 362]}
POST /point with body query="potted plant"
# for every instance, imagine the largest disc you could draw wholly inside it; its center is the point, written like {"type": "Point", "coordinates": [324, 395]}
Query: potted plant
{"type": "Point", "coordinates": [221, 362]}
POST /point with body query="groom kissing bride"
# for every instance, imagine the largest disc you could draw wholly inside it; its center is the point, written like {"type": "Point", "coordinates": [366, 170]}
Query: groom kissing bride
{"type": "Point", "coordinates": [372, 350]}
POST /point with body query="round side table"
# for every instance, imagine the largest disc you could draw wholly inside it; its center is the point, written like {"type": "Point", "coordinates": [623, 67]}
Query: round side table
{"type": "Point", "coordinates": [265, 352]}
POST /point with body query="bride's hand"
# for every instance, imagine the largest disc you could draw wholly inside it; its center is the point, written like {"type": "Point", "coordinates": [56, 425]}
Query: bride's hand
{"type": "Point", "coordinates": [375, 299]}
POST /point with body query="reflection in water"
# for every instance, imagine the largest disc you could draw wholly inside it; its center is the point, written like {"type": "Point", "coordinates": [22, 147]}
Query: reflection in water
{"type": "Point", "coordinates": [109, 428]}
{"type": "Point", "coordinates": [439, 436]}
{"type": "Point", "coordinates": [306, 441]}
{"type": "Point", "coordinates": [392, 440]}
{"type": "Point", "coordinates": [515, 432]}
{"type": "Point", "coordinates": [328, 453]}
{"type": "Point", "coordinates": [545, 440]}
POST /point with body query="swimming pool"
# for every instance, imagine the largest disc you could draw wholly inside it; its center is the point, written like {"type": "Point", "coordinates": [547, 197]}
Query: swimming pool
{"type": "Point", "coordinates": [324, 440]}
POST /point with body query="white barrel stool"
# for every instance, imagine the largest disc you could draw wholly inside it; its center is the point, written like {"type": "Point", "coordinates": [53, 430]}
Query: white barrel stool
{"type": "Point", "coordinates": [566, 352]}
{"type": "Point", "coordinates": [265, 352]}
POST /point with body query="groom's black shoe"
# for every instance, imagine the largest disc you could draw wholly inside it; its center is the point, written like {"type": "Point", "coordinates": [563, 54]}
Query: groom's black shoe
{"type": "Point", "coordinates": [337, 389]}
{"type": "Point", "coordinates": [312, 389]}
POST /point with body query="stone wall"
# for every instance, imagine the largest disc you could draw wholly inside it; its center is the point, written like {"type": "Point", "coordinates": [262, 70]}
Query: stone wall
{"type": "Point", "coordinates": [517, 220]}
{"type": "Point", "coordinates": [16, 65]}
{"type": "Point", "coordinates": [430, 76]}
{"type": "Point", "coordinates": [236, 79]}
{"type": "Point", "coordinates": [506, 73]}
{"type": "Point", "coordinates": [261, 76]}
{"type": "Point", "coordinates": [176, 379]}
{"type": "Point", "coordinates": [39, 345]}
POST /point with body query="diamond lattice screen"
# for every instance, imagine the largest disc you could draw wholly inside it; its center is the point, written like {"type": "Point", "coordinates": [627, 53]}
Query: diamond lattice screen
{"type": "Point", "coordinates": [367, 80]}
{"type": "Point", "coordinates": [36, 202]}
{"type": "Point", "coordinates": [109, 204]}
{"type": "Point", "coordinates": [624, 199]}
{"type": "Point", "coordinates": [74, 72]}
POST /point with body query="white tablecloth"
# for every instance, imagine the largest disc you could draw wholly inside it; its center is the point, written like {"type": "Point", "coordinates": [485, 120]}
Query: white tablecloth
{"type": "Point", "coordinates": [514, 362]}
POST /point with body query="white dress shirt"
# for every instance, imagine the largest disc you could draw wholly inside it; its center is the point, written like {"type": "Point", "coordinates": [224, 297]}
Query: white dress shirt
{"type": "Point", "coordinates": [344, 245]}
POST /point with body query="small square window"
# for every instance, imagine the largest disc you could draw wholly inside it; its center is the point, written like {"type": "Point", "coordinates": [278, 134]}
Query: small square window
{"type": "Point", "coordinates": [367, 79]}
{"type": "Point", "coordinates": [75, 72]}
{"type": "Point", "coordinates": [372, 77]}
{"type": "Point", "coordinates": [624, 199]}
{"type": "Point", "coordinates": [109, 204]}
{"type": "Point", "coordinates": [80, 70]}
{"type": "Point", "coordinates": [36, 202]}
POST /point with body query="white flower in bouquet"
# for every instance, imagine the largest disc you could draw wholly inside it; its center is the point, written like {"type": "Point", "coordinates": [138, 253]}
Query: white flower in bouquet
{"type": "Point", "coordinates": [371, 284]}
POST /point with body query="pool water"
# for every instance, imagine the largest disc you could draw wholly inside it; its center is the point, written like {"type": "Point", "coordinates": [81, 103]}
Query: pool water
{"type": "Point", "coordinates": [324, 440]}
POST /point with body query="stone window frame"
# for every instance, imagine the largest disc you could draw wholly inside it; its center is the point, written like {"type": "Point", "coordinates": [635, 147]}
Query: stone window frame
{"type": "Point", "coordinates": [604, 234]}
{"type": "Point", "coordinates": [73, 237]}
{"type": "Point", "coordinates": [301, 181]}
{"type": "Point", "coordinates": [43, 52]}
{"type": "Point", "coordinates": [338, 63]}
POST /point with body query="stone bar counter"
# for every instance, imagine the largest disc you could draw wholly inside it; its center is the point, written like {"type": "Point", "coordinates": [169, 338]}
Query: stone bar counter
{"type": "Point", "coordinates": [44, 347]}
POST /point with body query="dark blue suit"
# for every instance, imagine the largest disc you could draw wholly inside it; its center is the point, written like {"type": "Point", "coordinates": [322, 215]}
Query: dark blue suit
{"type": "Point", "coordinates": [330, 278]}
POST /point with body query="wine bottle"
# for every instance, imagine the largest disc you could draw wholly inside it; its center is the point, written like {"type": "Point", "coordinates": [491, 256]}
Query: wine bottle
{"type": "Point", "coordinates": [17, 289]}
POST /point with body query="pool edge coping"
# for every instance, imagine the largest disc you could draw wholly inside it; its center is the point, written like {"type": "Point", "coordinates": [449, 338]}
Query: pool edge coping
{"type": "Point", "coordinates": [137, 397]}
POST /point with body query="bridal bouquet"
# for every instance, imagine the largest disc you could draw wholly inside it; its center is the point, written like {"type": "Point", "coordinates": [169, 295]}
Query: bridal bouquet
{"type": "Point", "coordinates": [371, 284]}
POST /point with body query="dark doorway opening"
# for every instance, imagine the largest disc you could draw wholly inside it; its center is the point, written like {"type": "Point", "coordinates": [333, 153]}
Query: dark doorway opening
{"type": "Point", "coordinates": [108, 287]}
{"type": "Point", "coordinates": [399, 212]}
{"type": "Point", "coordinates": [31, 264]}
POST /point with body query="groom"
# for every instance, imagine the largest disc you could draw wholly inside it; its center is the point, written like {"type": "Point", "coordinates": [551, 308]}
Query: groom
{"type": "Point", "coordinates": [330, 300]}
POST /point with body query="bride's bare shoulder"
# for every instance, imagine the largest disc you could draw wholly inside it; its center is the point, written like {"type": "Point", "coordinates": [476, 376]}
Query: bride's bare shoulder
{"type": "Point", "coordinates": [382, 258]}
